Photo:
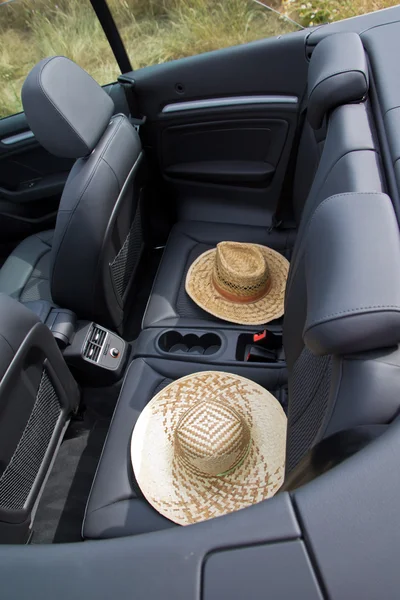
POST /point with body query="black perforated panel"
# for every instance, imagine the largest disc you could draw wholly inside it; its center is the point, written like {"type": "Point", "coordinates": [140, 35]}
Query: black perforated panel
{"type": "Point", "coordinates": [19, 476]}
{"type": "Point", "coordinates": [308, 403]}
{"type": "Point", "coordinates": [128, 257]}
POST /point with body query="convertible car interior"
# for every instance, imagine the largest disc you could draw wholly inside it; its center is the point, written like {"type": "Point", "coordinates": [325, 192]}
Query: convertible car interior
{"type": "Point", "coordinates": [292, 143]}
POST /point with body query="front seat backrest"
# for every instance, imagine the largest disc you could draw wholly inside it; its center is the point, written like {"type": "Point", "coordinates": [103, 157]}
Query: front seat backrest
{"type": "Point", "coordinates": [344, 370]}
{"type": "Point", "coordinates": [98, 236]}
{"type": "Point", "coordinates": [37, 397]}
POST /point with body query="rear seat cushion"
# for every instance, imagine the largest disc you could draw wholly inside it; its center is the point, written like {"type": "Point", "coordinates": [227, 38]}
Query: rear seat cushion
{"type": "Point", "coordinates": [169, 305]}
{"type": "Point", "coordinates": [25, 275]}
{"type": "Point", "coordinates": [116, 507]}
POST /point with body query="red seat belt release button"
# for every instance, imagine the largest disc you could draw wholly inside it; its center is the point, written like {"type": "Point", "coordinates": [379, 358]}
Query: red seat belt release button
{"type": "Point", "coordinates": [257, 337]}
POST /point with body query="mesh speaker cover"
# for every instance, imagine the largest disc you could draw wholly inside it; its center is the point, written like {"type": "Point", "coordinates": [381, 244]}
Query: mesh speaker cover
{"type": "Point", "coordinates": [308, 404]}
{"type": "Point", "coordinates": [125, 262]}
{"type": "Point", "coordinates": [19, 476]}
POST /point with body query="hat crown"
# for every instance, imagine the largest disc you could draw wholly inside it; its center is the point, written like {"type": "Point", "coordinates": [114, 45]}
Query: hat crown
{"type": "Point", "coordinates": [241, 270]}
{"type": "Point", "coordinates": [212, 438]}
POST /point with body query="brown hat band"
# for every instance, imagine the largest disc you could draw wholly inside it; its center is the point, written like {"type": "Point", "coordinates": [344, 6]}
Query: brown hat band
{"type": "Point", "coordinates": [242, 299]}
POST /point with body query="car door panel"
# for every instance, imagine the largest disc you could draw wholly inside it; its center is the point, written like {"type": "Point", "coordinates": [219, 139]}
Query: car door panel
{"type": "Point", "coordinates": [219, 127]}
{"type": "Point", "coordinates": [229, 150]}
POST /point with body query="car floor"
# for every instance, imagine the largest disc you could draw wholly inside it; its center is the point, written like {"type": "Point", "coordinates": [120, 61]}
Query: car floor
{"type": "Point", "coordinates": [61, 508]}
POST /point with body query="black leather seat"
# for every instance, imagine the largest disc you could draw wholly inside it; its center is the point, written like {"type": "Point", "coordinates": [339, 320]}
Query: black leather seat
{"type": "Point", "coordinates": [88, 263]}
{"type": "Point", "coordinates": [342, 312]}
{"type": "Point", "coordinates": [169, 305]}
{"type": "Point", "coordinates": [347, 161]}
{"type": "Point", "coordinates": [25, 275]}
{"type": "Point", "coordinates": [116, 507]}
{"type": "Point", "coordinates": [343, 357]}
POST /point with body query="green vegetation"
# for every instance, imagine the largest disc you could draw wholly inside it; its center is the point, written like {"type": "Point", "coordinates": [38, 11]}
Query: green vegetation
{"type": "Point", "coordinates": [154, 31]}
{"type": "Point", "coordinates": [316, 12]}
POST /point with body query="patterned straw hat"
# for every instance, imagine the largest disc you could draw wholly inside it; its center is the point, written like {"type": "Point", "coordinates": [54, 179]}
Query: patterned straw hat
{"type": "Point", "coordinates": [240, 283]}
{"type": "Point", "coordinates": [209, 444]}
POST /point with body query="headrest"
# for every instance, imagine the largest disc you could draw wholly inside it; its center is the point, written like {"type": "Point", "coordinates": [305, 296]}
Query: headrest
{"type": "Point", "coordinates": [352, 264]}
{"type": "Point", "coordinates": [66, 109]}
{"type": "Point", "coordinates": [338, 74]}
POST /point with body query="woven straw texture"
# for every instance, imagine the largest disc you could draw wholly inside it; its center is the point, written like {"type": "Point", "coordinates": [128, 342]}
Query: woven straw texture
{"type": "Point", "coordinates": [218, 274]}
{"type": "Point", "coordinates": [209, 444]}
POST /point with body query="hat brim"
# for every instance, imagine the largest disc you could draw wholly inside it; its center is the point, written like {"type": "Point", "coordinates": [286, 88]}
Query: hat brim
{"type": "Point", "coordinates": [184, 495]}
{"type": "Point", "coordinates": [199, 286]}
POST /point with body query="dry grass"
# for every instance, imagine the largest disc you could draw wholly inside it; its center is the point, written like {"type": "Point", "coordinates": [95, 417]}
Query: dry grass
{"type": "Point", "coordinates": [154, 31]}
{"type": "Point", "coordinates": [315, 12]}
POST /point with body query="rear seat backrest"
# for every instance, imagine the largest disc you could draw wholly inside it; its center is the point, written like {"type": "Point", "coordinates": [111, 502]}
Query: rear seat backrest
{"type": "Point", "coordinates": [349, 171]}
{"type": "Point", "coordinates": [350, 160]}
{"type": "Point", "coordinates": [348, 370]}
{"type": "Point", "coordinates": [338, 75]}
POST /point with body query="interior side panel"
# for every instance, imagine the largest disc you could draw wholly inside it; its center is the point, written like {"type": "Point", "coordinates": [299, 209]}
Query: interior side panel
{"type": "Point", "coordinates": [219, 128]}
{"type": "Point", "coordinates": [218, 162]}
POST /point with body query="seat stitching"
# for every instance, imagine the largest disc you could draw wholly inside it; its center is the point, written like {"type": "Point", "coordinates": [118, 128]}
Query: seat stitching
{"type": "Point", "coordinates": [39, 258]}
{"type": "Point", "coordinates": [115, 175]}
{"type": "Point", "coordinates": [364, 309]}
{"type": "Point", "coordinates": [304, 237]}
{"type": "Point", "coordinates": [343, 72]}
{"type": "Point", "coordinates": [95, 168]}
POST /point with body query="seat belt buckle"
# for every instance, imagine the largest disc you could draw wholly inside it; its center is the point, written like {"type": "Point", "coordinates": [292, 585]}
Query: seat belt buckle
{"type": "Point", "coordinates": [276, 224]}
{"type": "Point", "coordinates": [257, 337]}
{"type": "Point", "coordinates": [261, 355]}
{"type": "Point", "coordinates": [137, 123]}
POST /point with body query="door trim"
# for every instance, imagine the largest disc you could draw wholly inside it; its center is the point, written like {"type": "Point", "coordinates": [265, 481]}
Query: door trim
{"type": "Point", "coordinates": [17, 138]}
{"type": "Point", "coordinates": [231, 101]}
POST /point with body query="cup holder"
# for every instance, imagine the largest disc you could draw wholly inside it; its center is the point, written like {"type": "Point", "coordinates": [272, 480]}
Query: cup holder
{"type": "Point", "coordinates": [175, 342]}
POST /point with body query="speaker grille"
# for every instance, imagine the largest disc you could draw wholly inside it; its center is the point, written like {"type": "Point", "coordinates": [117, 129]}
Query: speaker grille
{"type": "Point", "coordinates": [308, 404]}
{"type": "Point", "coordinates": [126, 261]}
{"type": "Point", "coordinates": [20, 474]}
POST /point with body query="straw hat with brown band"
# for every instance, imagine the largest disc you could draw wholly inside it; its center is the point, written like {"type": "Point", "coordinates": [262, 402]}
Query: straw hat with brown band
{"type": "Point", "coordinates": [207, 445]}
{"type": "Point", "coordinates": [240, 283]}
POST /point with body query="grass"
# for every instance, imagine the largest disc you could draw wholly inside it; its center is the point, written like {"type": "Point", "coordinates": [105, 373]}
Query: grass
{"type": "Point", "coordinates": [315, 12]}
{"type": "Point", "coordinates": [154, 31]}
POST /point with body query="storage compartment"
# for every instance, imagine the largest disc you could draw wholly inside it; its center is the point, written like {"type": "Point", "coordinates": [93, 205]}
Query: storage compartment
{"type": "Point", "coordinates": [174, 342]}
{"type": "Point", "coordinates": [265, 346]}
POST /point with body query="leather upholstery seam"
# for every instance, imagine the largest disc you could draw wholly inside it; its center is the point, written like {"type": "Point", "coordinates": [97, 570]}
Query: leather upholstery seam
{"type": "Point", "coordinates": [342, 194]}
{"type": "Point", "coordinates": [72, 212]}
{"type": "Point", "coordinates": [345, 72]}
{"type": "Point", "coordinates": [304, 237]}
{"type": "Point", "coordinates": [8, 343]}
{"type": "Point", "coordinates": [362, 310]}
{"type": "Point", "coordinates": [30, 277]}
{"type": "Point", "coordinates": [389, 109]}
{"type": "Point", "coordinates": [127, 499]}
{"type": "Point", "coordinates": [112, 170]}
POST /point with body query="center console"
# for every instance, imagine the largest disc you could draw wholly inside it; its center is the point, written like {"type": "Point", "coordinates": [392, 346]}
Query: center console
{"type": "Point", "coordinates": [95, 354]}
{"type": "Point", "coordinates": [99, 354]}
{"type": "Point", "coordinates": [260, 348]}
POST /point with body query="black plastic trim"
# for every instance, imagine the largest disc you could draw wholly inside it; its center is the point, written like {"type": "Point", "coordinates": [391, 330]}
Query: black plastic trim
{"type": "Point", "coordinates": [112, 34]}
